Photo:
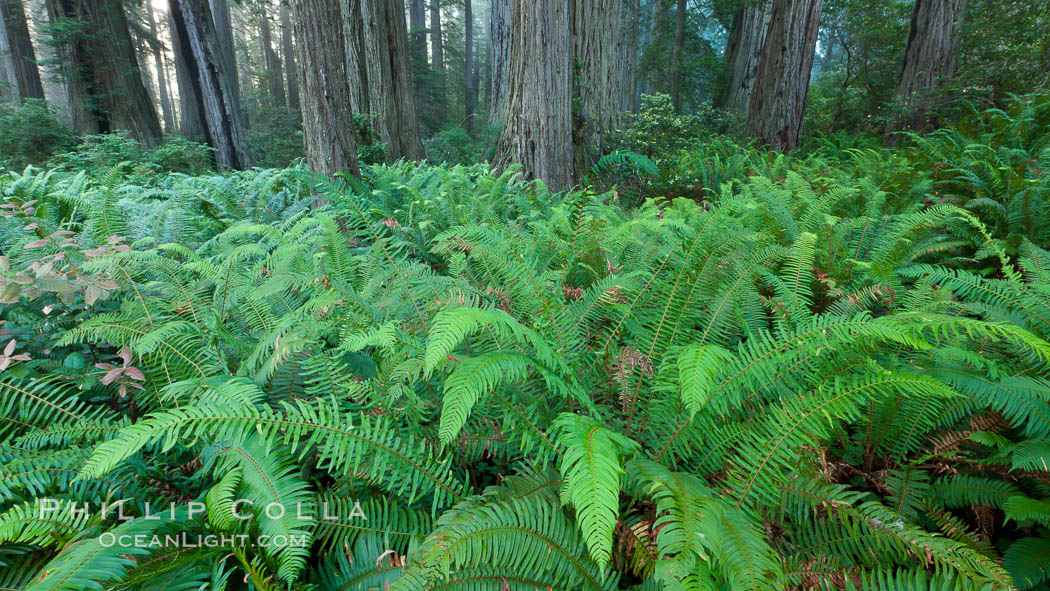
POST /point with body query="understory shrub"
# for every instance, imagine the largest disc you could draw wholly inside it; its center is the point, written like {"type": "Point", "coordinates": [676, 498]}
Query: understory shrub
{"type": "Point", "coordinates": [31, 134]}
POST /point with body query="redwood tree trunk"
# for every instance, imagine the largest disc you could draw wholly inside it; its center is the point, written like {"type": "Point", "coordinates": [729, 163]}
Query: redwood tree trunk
{"type": "Point", "coordinates": [273, 65]}
{"type": "Point", "coordinates": [105, 86]}
{"type": "Point", "coordinates": [219, 97]}
{"type": "Point", "coordinates": [162, 77]}
{"type": "Point", "coordinates": [191, 106]}
{"type": "Point", "coordinates": [778, 98]}
{"type": "Point", "coordinates": [8, 82]}
{"type": "Point", "coordinates": [551, 45]}
{"type": "Point", "coordinates": [22, 58]}
{"type": "Point", "coordinates": [223, 26]}
{"type": "Point", "coordinates": [499, 58]}
{"type": "Point", "coordinates": [468, 65]}
{"type": "Point", "coordinates": [288, 49]}
{"type": "Point", "coordinates": [537, 130]}
{"type": "Point", "coordinates": [630, 35]}
{"type": "Point", "coordinates": [322, 67]}
{"type": "Point", "coordinates": [930, 58]}
{"type": "Point", "coordinates": [418, 30]}
{"type": "Point", "coordinates": [437, 58]}
{"type": "Point", "coordinates": [604, 57]}
{"type": "Point", "coordinates": [750, 24]}
{"type": "Point", "coordinates": [676, 56]}
{"type": "Point", "coordinates": [384, 75]}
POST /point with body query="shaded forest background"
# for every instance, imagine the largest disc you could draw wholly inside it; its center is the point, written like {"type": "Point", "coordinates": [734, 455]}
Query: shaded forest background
{"type": "Point", "coordinates": [550, 85]}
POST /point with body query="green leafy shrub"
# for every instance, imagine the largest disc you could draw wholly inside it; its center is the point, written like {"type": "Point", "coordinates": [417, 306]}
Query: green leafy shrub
{"type": "Point", "coordinates": [102, 152]}
{"type": "Point", "coordinates": [451, 145]}
{"type": "Point", "coordinates": [658, 132]}
{"type": "Point", "coordinates": [275, 133]}
{"type": "Point", "coordinates": [178, 154]}
{"type": "Point", "coordinates": [31, 134]}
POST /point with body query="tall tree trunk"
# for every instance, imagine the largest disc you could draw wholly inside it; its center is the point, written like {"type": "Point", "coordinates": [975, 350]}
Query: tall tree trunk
{"type": "Point", "coordinates": [328, 125]}
{"type": "Point", "coordinates": [629, 35]}
{"type": "Point", "coordinates": [162, 77]}
{"type": "Point", "coordinates": [273, 65]}
{"type": "Point", "coordinates": [223, 25]}
{"type": "Point", "coordinates": [931, 57]}
{"type": "Point", "coordinates": [660, 21]}
{"type": "Point", "coordinates": [383, 71]}
{"type": "Point", "coordinates": [288, 49]}
{"type": "Point", "coordinates": [219, 104]}
{"type": "Point", "coordinates": [676, 56]}
{"type": "Point", "coordinates": [22, 58]}
{"type": "Point", "coordinates": [778, 98]}
{"type": "Point", "coordinates": [191, 105]}
{"type": "Point", "coordinates": [168, 84]}
{"type": "Point", "coordinates": [551, 45]}
{"type": "Point", "coordinates": [470, 101]}
{"type": "Point", "coordinates": [8, 81]}
{"type": "Point", "coordinates": [106, 89]}
{"type": "Point", "coordinates": [437, 58]}
{"type": "Point", "coordinates": [601, 50]}
{"type": "Point", "coordinates": [750, 23]}
{"type": "Point", "coordinates": [246, 82]}
{"type": "Point", "coordinates": [537, 130]}
{"type": "Point", "coordinates": [418, 30]}
{"type": "Point", "coordinates": [499, 58]}
{"type": "Point", "coordinates": [645, 32]}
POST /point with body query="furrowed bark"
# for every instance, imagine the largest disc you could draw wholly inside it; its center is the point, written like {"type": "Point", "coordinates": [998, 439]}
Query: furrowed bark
{"type": "Point", "coordinates": [931, 58]}
{"type": "Point", "coordinates": [377, 57]}
{"type": "Point", "coordinates": [328, 126]}
{"type": "Point", "coordinates": [778, 99]}
{"type": "Point", "coordinates": [219, 97]}
{"type": "Point", "coordinates": [743, 51]}
{"type": "Point", "coordinates": [537, 131]}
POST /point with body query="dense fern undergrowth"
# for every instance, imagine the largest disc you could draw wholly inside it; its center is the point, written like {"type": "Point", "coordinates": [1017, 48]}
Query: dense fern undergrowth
{"type": "Point", "coordinates": [821, 370]}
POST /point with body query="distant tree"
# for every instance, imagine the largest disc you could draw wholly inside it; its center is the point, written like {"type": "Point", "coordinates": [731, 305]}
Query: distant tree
{"type": "Point", "coordinates": [676, 54]}
{"type": "Point", "coordinates": [274, 78]}
{"type": "Point", "coordinates": [162, 76]}
{"type": "Point", "coordinates": [469, 98]}
{"type": "Point", "coordinates": [99, 62]}
{"type": "Point", "coordinates": [19, 50]}
{"type": "Point", "coordinates": [380, 71]}
{"type": "Point", "coordinates": [288, 53]}
{"type": "Point", "coordinates": [930, 59]}
{"type": "Point", "coordinates": [778, 98]}
{"type": "Point", "coordinates": [417, 25]}
{"type": "Point", "coordinates": [211, 95]}
{"type": "Point", "coordinates": [499, 58]}
{"type": "Point", "coordinates": [437, 57]}
{"type": "Point", "coordinates": [437, 60]}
